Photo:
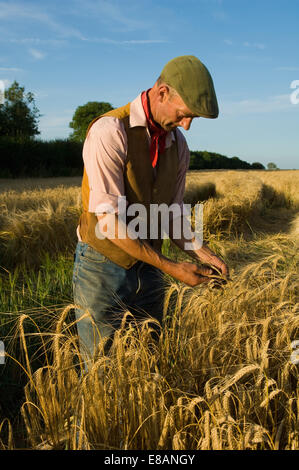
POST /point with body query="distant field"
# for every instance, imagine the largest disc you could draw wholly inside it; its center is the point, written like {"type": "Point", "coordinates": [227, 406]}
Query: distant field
{"type": "Point", "coordinates": [222, 376]}
{"type": "Point", "coordinates": [35, 183]}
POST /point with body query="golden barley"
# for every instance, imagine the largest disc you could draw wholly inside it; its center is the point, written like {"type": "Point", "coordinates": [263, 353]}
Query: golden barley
{"type": "Point", "coordinates": [221, 376]}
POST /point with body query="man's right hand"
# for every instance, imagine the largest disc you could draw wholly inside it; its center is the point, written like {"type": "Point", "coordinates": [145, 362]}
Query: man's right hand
{"type": "Point", "coordinates": [191, 274]}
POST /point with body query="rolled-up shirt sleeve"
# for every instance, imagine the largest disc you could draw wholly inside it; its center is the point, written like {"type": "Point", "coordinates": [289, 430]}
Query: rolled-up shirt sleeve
{"type": "Point", "coordinates": [104, 156]}
{"type": "Point", "coordinates": [184, 161]}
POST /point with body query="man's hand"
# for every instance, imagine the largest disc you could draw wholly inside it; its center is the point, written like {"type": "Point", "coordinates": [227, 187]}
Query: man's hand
{"type": "Point", "coordinates": [191, 274]}
{"type": "Point", "coordinates": [200, 252]}
{"type": "Point", "coordinates": [219, 267]}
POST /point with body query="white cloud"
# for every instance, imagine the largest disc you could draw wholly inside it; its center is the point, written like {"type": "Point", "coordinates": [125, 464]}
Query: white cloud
{"type": "Point", "coordinates": [220, 15]}
{"type": "Point", "coordinates": [57, 120]}
{"type": "Point", "coordinates": [288, 69]}
{"type": "Point", "coordinates": [40, 94]}
{"type": "Point", "coordinates": [29, 12]}
{"type": "Point", "coordinates": [38, 55]}
{"type": "Point", "coordinates": [56, 125]}
{"type": "Point", "coordinates": [116, 16]}
{"type": "Point", "coordinates": [254, 45]}
{"type": "Point", "coordinates": [269, 105]}
{"type": "Point", "coordinates": [38, 41]}
{"type": "Point", "coordinates": [124, 42]}
{"type": "Point", "coordinates": [5, 83]}
{"type": "Point", "coordinates": [118, 19]}
{"type": "Point", "coordinates": [10, 69]}
{"type": "Point", "coordinates": [143, 41]}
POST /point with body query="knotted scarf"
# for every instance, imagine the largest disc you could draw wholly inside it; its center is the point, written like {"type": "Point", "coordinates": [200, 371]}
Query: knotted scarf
{"type": "Point", "coordinates": [158, 135]}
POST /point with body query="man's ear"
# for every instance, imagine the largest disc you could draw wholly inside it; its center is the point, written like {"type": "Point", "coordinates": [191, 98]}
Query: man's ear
{"type": "Point", "coordinates": [163, 93]}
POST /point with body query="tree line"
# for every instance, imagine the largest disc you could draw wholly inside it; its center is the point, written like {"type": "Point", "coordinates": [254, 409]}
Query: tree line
{"type": "Point", "coordinates": [204, 160]}
{"type": "Point", "coordinates": [22, 154]}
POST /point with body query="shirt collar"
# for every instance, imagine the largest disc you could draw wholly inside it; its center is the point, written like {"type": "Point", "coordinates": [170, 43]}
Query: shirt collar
{"type": "Point", "coordinates": [138, 118]}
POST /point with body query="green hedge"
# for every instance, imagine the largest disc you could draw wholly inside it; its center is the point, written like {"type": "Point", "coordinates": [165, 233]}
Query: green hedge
{"type": "Point", "coordinates": [209, 160]}
{"type": "Point", "coordinates": [37, 158]}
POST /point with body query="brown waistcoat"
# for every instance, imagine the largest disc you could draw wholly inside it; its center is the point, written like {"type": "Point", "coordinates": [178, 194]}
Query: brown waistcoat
{"type": "Point", "coordinates": [140, 186]}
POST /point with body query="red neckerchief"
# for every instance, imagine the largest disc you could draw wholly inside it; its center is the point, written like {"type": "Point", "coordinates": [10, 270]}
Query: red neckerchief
{"type": "Point", "coordinates": [158, 134]}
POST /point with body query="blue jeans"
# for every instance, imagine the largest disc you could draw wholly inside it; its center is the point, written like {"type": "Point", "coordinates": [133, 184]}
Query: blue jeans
{"type": "Point", "coordinates": [107, 290]}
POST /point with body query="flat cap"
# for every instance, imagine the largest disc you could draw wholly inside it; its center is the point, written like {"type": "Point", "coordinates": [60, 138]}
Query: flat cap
{"type": "Point", "coordinates": [193, 82]}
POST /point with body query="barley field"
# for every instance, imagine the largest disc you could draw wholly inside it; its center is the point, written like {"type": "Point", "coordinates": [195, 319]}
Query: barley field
{"type": "Point", "coordinates": [224, 375]}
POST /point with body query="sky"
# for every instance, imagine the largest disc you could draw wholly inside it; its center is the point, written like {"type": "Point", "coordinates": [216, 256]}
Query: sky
{"type": "Point", "coordinates": [71, 52]}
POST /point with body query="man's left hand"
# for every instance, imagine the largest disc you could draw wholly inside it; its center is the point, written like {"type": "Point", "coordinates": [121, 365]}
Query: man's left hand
{"type": "Point", "coordinates": [220, 267]}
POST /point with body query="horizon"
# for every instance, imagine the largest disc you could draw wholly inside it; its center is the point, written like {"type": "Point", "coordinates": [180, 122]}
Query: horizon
{"type": "Point", "coordinates": [110, 51]}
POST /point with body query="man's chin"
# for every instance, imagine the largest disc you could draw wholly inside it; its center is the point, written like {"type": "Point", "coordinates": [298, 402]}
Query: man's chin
{"type": "Point", "coordinates": [169, 128]}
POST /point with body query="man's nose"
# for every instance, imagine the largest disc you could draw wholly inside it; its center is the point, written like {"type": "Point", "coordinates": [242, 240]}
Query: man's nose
{"type": "Point", "coordinates": [186, 123]}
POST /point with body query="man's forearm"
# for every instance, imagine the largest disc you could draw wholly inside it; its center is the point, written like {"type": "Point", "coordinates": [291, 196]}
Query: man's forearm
{"type": "Point", "coordinates": [203, 253]}
{"type": "Point", "coordinates": [139, 249]}
{"type": "Point", "coordinates": [186, 272]}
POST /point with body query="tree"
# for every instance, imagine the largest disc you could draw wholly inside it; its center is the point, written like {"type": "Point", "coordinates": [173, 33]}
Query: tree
{"type": "Point", "coordinates": [272, 166]}
{"type": "Point", "coordinates": [257, 166]}
{"type": "Point", "coordinates": [209, 160]}
{"type": "Point", "coordinates": [18, 114]}
{"type": "Point", "coordinates": [83, 117]}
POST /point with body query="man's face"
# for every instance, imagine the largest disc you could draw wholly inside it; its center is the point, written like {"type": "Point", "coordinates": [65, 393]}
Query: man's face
{"type": "Point", "coordinates": [173, 112]}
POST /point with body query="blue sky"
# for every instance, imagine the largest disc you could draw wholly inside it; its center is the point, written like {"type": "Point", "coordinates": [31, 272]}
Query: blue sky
{"type": "Point", "coordinates": [73, 51]}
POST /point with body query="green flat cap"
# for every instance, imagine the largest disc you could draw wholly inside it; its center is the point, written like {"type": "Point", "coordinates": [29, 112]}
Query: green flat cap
{"type": "Point", "coordinates": [193, 82]}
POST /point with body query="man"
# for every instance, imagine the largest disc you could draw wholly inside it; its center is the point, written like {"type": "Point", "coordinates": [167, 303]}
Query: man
{"type": "Point", "coordinates": [136, 152]}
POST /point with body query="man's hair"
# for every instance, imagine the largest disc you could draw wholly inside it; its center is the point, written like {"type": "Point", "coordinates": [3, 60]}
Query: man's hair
{"type": "Point", "coordinates": [172, 91]}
